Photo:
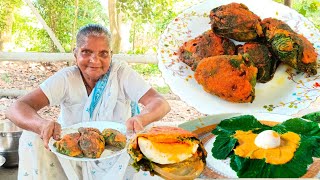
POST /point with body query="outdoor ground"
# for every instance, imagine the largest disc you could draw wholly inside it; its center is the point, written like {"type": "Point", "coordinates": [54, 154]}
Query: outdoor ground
{"type": "Point", "coordinates": [28, 75]}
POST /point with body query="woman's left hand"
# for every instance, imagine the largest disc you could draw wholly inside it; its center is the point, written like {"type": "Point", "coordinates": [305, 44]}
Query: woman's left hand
{"type": "Point", "coordinates": [134, 125]}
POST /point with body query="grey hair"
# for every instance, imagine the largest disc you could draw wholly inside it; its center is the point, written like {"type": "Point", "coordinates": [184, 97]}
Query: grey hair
{"type": "Point", "coordinates": [92, 30]}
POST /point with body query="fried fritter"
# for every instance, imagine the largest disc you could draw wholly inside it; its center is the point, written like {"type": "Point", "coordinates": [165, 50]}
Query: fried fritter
{"type": "Point", "coordinates": [235, 21]}
{"type": "Point", "coordinates": [69, 146]}
{"type": "Point", "coordinates": [289, 47]}
{"type": "Point", "coordinates": [114, 138]}
{"type": "Point", "coordinates": [91, 142]}
{"type": "Point", "coordinates": [206, 45]}
{"type": "Point", "coordinates": [262, 58]}
{"type": "Point", "coordinates": [228, 76]}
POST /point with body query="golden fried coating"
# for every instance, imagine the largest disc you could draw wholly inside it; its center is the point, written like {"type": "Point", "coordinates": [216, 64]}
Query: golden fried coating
{"type": "Point", "coordinates": [206, 45]}
{"type": "Point", "coordinates": [114, 138]}
{"type": "Point", "coordinates": [68, 145]}
{"type": "Point", "coordinates": [289, 47]}
{"type": "Point", "coordinates": [228, 77]}
{"type": "Point", "coordinates": [91, 142]}
{"type": "Point", "coordinates": [235, 21]}
{"type": "Point", "coordinates": [262, 58]}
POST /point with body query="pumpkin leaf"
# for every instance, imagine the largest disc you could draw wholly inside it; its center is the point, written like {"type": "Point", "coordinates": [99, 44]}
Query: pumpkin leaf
{"type": "Point", "coordinates": [315, 117]}
{"type": "Point", "coordinates": [244, 123]}
{"type": "Point", "coordinates": [224, 145]}
{"type": "Point", "coordinates": [299, 126]}
{"type": "Point", "coordinates": [257, 168]}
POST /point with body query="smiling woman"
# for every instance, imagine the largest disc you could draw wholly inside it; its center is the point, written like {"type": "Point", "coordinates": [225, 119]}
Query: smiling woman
{"type": "Point", "coordinates": [96, 89]}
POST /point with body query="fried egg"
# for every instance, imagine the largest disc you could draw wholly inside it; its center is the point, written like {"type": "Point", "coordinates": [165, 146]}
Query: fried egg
{"type": "Point", "coordinates": [267, 139]}
{"type": "Point", "coordinates": [167, 153]}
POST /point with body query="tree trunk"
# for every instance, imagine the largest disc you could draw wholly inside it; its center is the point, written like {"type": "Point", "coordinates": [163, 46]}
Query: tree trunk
{"type": "Point", "coordinates": [288, 3]}
{"type": "Point", "coordinates": [6, 33]}
{"type": "Point", "coordinates": [115, 26]}
{"type": "Point", "coordinates": [74, 28]}
{"type": "Point", "coordinates": [75, 22]}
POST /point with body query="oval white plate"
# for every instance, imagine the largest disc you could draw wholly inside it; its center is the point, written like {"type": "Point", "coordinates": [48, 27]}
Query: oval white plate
{"type": "Point", "coordinates": [101, 125]}
{"type": "Point", "coordinates": [286, 93]}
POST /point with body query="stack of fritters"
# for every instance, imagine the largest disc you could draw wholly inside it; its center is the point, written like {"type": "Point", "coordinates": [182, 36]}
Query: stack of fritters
{"type": "Point", "coordinates": [89, 142]}
{"type": "Point", "coordinates": [268, 43]}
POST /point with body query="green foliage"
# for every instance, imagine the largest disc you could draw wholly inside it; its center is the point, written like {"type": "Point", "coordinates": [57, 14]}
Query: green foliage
{"type": "Point", "coordinates": [7, 7]}
{"type": "Point", "coordinates": [155, 14]}
{"type": "Point", "coordinates": [310, 9]}
{"type": "Point", "coordinates": [315, 116]}
{"type": "Point", "coordinates": [6, 77]}
{"type": "Point", "coordinates": [147, 70]}
{"type": "Point", "coordinates": [60, 17]}
{"type": "Point", "coordinates": [309, 133]}
{"type": "Point", "coordinates": [162, 89]}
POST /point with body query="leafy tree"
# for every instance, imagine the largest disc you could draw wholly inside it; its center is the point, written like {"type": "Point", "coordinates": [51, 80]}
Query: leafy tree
{"type": "Point", "coordinates": [7, 9]}
{"type": "Point", "coordinates": [60, 16]}
{"type": "Point", "coordinates": [153, 15]}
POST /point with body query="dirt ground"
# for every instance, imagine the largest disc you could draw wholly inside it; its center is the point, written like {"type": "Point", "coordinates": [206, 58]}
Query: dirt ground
{"type": "Point", "coordinates": [28, 75]}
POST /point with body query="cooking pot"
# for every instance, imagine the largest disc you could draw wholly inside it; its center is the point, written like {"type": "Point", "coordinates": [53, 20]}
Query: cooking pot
{"type": "Point", "coordinates": [9, 143]}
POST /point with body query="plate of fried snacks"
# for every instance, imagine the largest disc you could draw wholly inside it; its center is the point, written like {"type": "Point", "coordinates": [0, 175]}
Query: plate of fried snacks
{"type": "Point", "coordinates": [169, 152]}
{"type": "Point", "coordinates": [228, 56]}
{"type": "Point", "coordinates": [90, 141]}
{"type": "Point", "coordinates": [259, 145]}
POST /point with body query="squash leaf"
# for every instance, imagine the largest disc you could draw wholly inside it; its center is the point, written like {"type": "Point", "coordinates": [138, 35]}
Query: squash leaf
{"type": "Point", "coordinates": [257, 168]}
{"type": "Point", "coordinates": [224, 145]}
{"type": "Point", "coordinates": [244, 122]}
{"type": "Point", "coordinates": [315, 117]}
{"type": "Point", "coordinates": [299, 126]}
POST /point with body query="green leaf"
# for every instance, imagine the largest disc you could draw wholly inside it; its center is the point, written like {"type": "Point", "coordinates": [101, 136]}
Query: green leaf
{"type": "Point", "coordinates": [244, 122]}
{"type": "Point", "coordinates": [299, 126]}
{"type": "Point", "coordinates": [223, 146]}
{"type": "Point", "coordinates": [257, 168]}
{"type": "Point", "coordinates": [315, 116]}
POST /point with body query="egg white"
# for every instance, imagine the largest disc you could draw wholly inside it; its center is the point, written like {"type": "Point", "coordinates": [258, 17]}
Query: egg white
{"type": "Point", "coordinates": [161, 157]}
{"type": "Point", "coordinates": [268, 139]}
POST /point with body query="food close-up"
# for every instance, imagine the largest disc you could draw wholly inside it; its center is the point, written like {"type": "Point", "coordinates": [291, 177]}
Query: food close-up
{"type": "Point", "coordinates": [266, 149]}
{"type": "Point", "coordinates": [170, 152]}
{"type": "Point", "coordinates": [264, 43]}
{"type": "Point", "coordinates": [89, 142]}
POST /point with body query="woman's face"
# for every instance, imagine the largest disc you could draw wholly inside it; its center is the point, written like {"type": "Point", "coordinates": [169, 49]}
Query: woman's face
{"type": "Point", "coordinates": [93, 57]}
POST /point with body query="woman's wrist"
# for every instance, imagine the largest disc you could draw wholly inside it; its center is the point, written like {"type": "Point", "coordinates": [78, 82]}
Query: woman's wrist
{"type": "Point", "coordinates": [140, 121]}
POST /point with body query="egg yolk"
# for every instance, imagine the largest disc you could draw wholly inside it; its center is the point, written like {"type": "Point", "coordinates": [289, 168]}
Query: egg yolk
{"type": "Point", "coordinates": [278, 155]}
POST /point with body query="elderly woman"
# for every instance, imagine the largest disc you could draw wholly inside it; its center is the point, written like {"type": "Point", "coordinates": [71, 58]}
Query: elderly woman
{"type": "Point", "coordinates": [96, 89]}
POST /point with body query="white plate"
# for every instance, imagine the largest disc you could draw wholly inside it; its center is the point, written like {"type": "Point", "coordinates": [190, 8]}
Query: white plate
{"type": "Point", "coordinates": [284, 94]}
{"type": "Point", "coordinates": [222, 167]}
{"type": "Point", "coordinates": [101, 125]}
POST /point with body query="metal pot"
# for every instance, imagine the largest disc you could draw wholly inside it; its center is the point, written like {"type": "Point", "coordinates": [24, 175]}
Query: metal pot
{"type": "Point", "coordinates": [9, 143]}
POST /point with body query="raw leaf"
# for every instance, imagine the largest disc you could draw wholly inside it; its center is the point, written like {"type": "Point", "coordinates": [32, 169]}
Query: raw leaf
{"type": "Point", "coordinates": [257, 168]}
{"type": "Point", "coordinates": [244, 122]}
{"type": "Point", "coordinates": [299, 126]}
{"type": "Point", "coordinates": [224, 145]}
{"type": "Point", "coordinates": [315, 116]}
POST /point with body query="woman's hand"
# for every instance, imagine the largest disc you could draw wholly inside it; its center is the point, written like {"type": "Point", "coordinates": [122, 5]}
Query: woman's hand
{"type": "Point", "coordinates": [48, 130]}
{"type": "Point", "coordinates": [134, 125]}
